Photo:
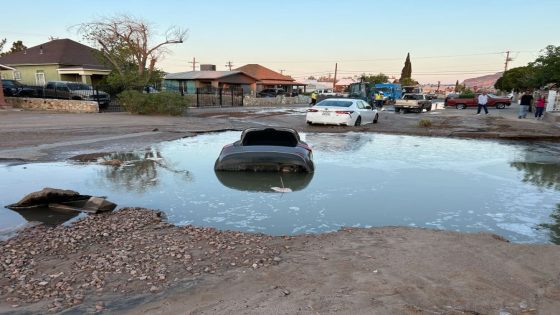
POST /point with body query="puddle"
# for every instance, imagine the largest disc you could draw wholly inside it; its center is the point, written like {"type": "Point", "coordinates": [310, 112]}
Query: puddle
{"type": "Point", "coordinates": [361, 180]}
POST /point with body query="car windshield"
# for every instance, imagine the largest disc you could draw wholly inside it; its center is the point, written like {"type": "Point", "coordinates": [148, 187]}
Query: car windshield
{"type": "Point", "coordinates": [412, 97]}
{"type": "Point", "coordinates": [78, 86]}
{"type": "Point", "coordinates": [334, 103]}
{"type": "Point", "coordinates": [270, 137]}
{"type": "Point", "coordinates": [492, 96]}
{"type": "Point", "coordinates": [9, 82]}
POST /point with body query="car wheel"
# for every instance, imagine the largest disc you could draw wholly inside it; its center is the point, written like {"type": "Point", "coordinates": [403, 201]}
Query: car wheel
{"type": "Point", "coordinates": [397, 110]}
{"type": "Point", "coordinates": [376, 118]}
{"type": "Point", "coordinates": [461, 106]}
{"type": "Point", "coordinates": [500, 105]}
{"type": "Point", "coordinates": [429, 108]}
{"type": "Point", "coordinates": [309, 123]}
{"type": "Point", "coordinates": [358, 121]}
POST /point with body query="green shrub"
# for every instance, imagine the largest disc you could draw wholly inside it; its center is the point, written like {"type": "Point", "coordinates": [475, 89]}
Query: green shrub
{"type": "Point", "coordinates": [426, 123]}
{"type": "Point", "coordinates": [164, 103]}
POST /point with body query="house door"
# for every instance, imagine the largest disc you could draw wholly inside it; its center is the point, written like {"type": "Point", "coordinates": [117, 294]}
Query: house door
{"type": "Point", "coordinates": [40, 78]}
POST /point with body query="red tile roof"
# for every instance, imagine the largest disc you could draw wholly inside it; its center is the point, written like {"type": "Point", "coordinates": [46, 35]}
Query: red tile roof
{"type": "Point", "coordinates": [262, 73]}
{"type": "Point", "coordinates": [58, 51]}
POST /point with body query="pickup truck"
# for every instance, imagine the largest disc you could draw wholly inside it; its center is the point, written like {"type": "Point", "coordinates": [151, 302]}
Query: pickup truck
{"type": "Point", "coordinates": [411, 102]}
{"type": "Point", "coordinates": [75, 91]}
{"type": "Point", "coordinates": [493, 100]}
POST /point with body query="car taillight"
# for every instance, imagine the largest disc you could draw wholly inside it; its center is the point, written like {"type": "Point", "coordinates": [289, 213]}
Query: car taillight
{"type": "Point", "coordinates": [305, 146]}
{"type": "Point", "coordinates": [311, 110]}
{"type": "Point", "coordinates": [342, 112]}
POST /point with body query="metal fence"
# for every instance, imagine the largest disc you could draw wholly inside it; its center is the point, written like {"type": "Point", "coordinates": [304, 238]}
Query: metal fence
{"type": "Point", "coordinates": [219, 97]}
{"type": "Point", "coordinates": [106, 95]}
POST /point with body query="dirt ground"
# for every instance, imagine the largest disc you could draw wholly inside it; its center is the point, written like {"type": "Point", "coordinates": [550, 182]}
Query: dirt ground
{"type": "Point", "coordinates": [133, 262]}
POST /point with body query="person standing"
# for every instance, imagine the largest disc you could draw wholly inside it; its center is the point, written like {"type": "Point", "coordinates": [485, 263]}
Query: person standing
{"type": "Point", "coordinates": [378, 99]}
{"type": "Point", "coordinates": [524, 104]}
{"type": "Point", "coordinates": [541, 101]}
{"type": "Point", "coordinates": [482, 103]}
{"type": "Point", "coordinates": [313, 98]}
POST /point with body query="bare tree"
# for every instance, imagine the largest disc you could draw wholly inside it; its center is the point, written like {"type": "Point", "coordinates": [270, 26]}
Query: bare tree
{"type": "Point", "coordinates": [124, 41]}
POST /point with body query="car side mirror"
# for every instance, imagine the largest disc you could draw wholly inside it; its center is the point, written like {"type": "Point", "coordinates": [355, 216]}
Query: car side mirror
{"type": "Point", "coordinates": [368, 107]}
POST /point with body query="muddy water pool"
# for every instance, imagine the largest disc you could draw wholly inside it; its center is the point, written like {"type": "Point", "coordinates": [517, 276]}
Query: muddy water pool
{"type": "Point", "coordinates": [361, 180]}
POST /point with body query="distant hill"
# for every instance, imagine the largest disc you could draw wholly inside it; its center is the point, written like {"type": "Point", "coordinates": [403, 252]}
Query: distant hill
{"type": "Point", "coordinates": [486, 81]}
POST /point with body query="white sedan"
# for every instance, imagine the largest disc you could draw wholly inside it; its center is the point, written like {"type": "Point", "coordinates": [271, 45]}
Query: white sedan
{"type": "Point", "coordinates": [342, 111]}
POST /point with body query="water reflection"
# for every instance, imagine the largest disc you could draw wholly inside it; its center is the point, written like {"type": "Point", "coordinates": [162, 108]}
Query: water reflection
{"type": "Point", "coordinates": [554, 228]}
{"type": "Point", "coordinates": [47, 216]}
{"type": "Point", "coordinates": [332, 142]}
{"type": "Point", "coordinates": [139, 171]}
{"type": "Point", "coordinates": [263, 182]}
{"type": "Point", "coordinates": [539, 174]}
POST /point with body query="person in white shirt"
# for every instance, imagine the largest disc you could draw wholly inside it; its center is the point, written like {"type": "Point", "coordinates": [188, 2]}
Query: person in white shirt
{"type": "Point", "coordinates": [482, 103]}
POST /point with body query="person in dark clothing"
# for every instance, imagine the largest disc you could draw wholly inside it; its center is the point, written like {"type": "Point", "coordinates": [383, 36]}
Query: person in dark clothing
{"type": "Point", "coordinates": [524, 104]}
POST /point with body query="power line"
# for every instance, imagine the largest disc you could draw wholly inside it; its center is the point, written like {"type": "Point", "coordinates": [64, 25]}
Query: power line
{"type": "Point", "coordinates": [193, 63]}
{"type": "Point", "coordinates": [229, 65]}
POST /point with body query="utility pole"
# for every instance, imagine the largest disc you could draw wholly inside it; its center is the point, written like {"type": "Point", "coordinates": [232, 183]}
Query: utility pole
{"type": "Point", "coordinates": [508, 59]}
{"type": "Point", "coordinates": [229, 65]}
{"type": "Point", "coordinates": [193, 63]}
{"type": "Point", "coordinates": [438, 84]}
{"type": "Point", "coordinates": [334, 81]}
{"type": "Point", "coordinates": [282, 71]}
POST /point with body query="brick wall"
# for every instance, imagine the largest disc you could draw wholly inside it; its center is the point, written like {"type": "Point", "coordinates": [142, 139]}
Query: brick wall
{"type": "Point", "coordinates": [55, 105]}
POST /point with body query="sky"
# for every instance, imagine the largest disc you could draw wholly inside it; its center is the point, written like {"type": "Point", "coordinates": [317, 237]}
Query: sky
{"type": "Point", "coordinates": [447, 40]}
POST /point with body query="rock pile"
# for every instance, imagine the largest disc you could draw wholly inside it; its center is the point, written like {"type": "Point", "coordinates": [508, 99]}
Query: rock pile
{"type": "Point", "coordinates": [130, 251]}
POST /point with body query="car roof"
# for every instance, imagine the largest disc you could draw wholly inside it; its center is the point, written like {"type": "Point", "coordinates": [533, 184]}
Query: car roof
{"type": "Point", "coordinates": [258, 129]}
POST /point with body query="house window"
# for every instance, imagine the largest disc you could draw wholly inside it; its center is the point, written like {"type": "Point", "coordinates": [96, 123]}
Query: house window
{"type": "Point", "coordinates": [40, 78]}
{"type": "Point", "coordinates": [17, 75]}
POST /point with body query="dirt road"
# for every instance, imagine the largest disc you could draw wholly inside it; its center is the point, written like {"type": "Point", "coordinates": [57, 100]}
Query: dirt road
{"type": "Point", "coordinates": [132, 262]}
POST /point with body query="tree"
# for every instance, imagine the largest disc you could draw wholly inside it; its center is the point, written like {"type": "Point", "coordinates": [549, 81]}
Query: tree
{"type": "Point", "coordinates": [407, 69]}
{"type": "Point", "coordinates": [311, 78]}
{"type": "Point", "coordinates": [16, 46]}
{"type": "Point", "coordinates": [408, 82]}
{"type": "Point", "coordinates": [457, 86]}
{"type": "Point", "coordinates": [547, 66]}
{"type": "Point", "coordinates": [2, 43]}
{"type": "Point", "coordinates": [520, 78]}
{"type": "Point", "coordinates": [127, 44]}
{"type": "Point", "coordinates": [379, 78]}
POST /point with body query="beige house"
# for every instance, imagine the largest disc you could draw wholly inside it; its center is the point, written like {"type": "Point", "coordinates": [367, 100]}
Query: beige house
{"type": "Point", "coordinates": [57, 60]}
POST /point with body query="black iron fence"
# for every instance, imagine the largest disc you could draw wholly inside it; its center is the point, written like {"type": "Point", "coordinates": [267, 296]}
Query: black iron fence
{"type": "Point", "coordinates": [219, 97]}
{"type": "Point", "coordinates": [107, 95]}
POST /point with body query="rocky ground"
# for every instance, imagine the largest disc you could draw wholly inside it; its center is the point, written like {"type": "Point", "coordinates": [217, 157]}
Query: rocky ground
{"type": "Point", "coordinates": [132, 261]}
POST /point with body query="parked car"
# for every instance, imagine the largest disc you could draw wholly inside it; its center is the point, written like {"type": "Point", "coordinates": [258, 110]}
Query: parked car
{"type": "Point", "coordinates": [266, 149]}
{"type": "Point", "coordinates": [148, 89]}
{"type": "Point", "coordinates": [493, 100]}
{"type": "Point", "coordinates": [412, 102]}
{"type": "Point", "coordinates": [325, 92]}
{"type": "Point", "coordinates": [271, 93]}
{"type": "Point", "coordinates": [75, 91]}
{"type": "Point", "coordinates": [342, 111]}
{"type": "Point", "coordinates": [14, 88]}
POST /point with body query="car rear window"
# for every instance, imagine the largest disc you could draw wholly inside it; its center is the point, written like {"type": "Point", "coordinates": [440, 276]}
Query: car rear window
{"type": "Point", "coordinates": [335, 103]}
{"type": "Point", "coordinates": [270, 137]}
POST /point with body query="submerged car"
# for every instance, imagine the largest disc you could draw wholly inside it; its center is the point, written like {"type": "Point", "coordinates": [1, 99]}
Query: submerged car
{"type": "Point", "coordinates": [342, 111]}
{"type": "Point", "coordinates": [267, 150]}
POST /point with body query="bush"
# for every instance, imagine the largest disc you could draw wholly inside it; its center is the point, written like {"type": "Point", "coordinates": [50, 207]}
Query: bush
{"type": "Point", "coordinates": [426, 123]}
{"type": "Point", "coordinates": [152, 103]}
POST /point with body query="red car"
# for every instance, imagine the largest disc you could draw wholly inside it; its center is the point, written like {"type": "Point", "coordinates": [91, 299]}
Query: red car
{"type": "Point", "coordinates": [493, 100]}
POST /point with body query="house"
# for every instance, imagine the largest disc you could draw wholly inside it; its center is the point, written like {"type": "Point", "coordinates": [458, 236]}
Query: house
{"type": "Point", "coordinates": [59, 59]}
{"type": "Point", "coordinates": [2, 100]}
{"type": "Point", "coordinates": [188, 82]}
{"type": "Point", "coordinates": [267, 78]}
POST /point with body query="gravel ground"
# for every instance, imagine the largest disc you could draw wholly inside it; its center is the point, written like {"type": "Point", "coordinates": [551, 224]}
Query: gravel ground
{"type": "Point", "coordinates": [131, 251]}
